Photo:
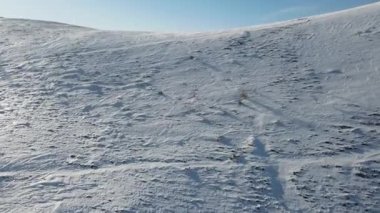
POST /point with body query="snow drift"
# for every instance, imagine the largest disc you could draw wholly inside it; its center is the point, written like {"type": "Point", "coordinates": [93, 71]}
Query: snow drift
{"type": "Point", "coordinates": [278, 118]}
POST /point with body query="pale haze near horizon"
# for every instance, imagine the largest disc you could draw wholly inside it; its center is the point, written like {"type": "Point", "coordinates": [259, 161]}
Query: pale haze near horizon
{"type": "Point", "coordinates": [170, 15]}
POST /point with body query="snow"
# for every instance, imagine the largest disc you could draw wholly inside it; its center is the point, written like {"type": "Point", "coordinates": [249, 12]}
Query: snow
{"type": "Point", "coordinates": [276, 118]}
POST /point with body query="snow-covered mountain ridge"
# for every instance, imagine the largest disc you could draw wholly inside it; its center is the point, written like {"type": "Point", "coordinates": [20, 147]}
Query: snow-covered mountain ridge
{"type": "Point", "coordinates": [279, 118]}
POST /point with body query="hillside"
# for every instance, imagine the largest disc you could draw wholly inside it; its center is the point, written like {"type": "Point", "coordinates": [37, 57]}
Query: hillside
{"type": "Point", "coordinates": [276, 118]}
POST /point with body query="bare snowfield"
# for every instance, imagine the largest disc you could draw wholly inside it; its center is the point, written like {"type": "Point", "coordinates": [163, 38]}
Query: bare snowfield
{"type": "Point", "coordinates": [277, 118]}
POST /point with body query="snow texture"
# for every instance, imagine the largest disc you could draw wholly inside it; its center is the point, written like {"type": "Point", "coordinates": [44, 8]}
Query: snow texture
{"type": "Point", "coordinates": [276, 118]}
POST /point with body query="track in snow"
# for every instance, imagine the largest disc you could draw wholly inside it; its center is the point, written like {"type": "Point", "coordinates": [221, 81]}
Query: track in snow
{"type": "Point", "coordinates": [280, 118]}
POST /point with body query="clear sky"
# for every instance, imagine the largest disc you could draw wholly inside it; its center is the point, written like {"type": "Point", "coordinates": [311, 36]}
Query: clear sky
{"type": "Point", "coordinates": [170, 15]}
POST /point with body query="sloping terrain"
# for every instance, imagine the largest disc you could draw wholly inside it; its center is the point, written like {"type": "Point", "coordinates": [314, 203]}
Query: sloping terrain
{"type": "Point", "coordinates": [278, 118]}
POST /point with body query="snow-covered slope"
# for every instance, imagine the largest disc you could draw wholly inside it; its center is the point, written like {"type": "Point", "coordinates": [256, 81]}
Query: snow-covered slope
{"type": "Point", "coordinates": [278, 118]}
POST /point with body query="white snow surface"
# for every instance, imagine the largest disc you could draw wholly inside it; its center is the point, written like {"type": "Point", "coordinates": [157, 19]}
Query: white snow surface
{"type": "Point", "coordinates": [277, 118]}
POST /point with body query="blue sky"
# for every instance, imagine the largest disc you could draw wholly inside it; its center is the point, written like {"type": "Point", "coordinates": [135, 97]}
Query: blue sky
{"type": "Point", "coordinates": [170, 15]}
